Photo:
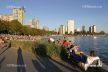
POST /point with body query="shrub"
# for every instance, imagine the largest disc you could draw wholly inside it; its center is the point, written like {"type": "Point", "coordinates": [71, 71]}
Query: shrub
{"type": "Point", "coordinates": [25, 45]}
{"type": "Point", "coordinates": [41, 48]}
{"type": "Point", "coordinates": [46, 49]}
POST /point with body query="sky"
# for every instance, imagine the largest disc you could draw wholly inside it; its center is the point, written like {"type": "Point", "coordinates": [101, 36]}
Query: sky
{"type": "Point", "coordinates": [53, 13]}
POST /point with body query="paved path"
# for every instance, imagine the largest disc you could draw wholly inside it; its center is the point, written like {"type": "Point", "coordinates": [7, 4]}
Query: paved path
{"type": "Point", "coordinates": [17, 60]}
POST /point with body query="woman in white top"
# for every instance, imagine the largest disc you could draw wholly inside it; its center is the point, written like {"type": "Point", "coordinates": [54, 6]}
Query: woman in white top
{"type": "Point", "coordinates": [90, 60]}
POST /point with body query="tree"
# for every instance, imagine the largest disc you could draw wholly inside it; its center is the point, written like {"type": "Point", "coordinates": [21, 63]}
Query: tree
{"type": "Point", "coordinates": [3, 27]}
{"type": "Point", "coordinates": [16, 26]}
{"type": "Point", "coordinates": [102, 32]}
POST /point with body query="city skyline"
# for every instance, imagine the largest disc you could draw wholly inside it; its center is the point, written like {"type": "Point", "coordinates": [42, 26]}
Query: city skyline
{"type": "Point", "coordinates": [53, 13]}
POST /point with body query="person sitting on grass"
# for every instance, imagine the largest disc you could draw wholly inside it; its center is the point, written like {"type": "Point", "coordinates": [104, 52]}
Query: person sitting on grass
{"type": "Point", "coordinates": [90, 59]}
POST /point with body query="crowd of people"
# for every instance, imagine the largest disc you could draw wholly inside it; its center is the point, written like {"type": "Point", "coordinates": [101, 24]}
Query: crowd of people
{"type": "Point", "coordinates": [1, 40]}
{"type": "Point", "coordinates": [74, 51]}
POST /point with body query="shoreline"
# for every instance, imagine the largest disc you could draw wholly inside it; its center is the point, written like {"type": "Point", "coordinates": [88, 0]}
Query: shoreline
{"type": "Point", "coordinates": [105, 66]}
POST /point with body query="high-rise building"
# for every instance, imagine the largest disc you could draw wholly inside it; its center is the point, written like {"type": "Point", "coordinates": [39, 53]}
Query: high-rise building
{"type": "Point", "coordinates": [18, 14]}
{"type": "Point", "coordinates": [34, 23]}
{"type": "Point", "coordinates": [90, 29]}
{"type": "Point", "coordinates": [6, 17]}
{"type": "Point", "coordinates": [31, 24]}
{"type": "Point", "coordinates": [62, 29]}
{"type": "Point", "coordinates": [94, 29]}
{"type": "Point", "coordinates": [37, 24]}
{"type": "Point", "coordinates": [83, 29]}
{"type": "Point", "coordinates": [70, 26]}
{"type": "Point", "coordinates": [66, 29]}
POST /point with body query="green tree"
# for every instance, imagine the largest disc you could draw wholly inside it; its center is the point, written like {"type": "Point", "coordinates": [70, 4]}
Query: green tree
{"type": "Point", "coordinates": [3, 27]}
{"type": "Point", "coordinates": [16, 26]}
{"type": "Point", "coordinates": [102, 32]}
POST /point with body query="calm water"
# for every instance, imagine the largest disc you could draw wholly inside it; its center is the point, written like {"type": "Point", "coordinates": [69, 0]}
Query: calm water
{"type": "Point", "coordinates": [99, 44]}
{"type": "Point", "coordinates": [88, 43]}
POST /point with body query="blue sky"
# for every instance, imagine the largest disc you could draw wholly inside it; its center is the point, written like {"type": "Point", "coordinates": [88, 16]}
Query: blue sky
{"type": "Point", "coordinates": [53, 13]}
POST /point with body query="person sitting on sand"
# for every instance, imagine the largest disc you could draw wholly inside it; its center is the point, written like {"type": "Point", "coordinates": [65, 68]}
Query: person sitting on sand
{"type": "Point", "coordinates": [90, 59]}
